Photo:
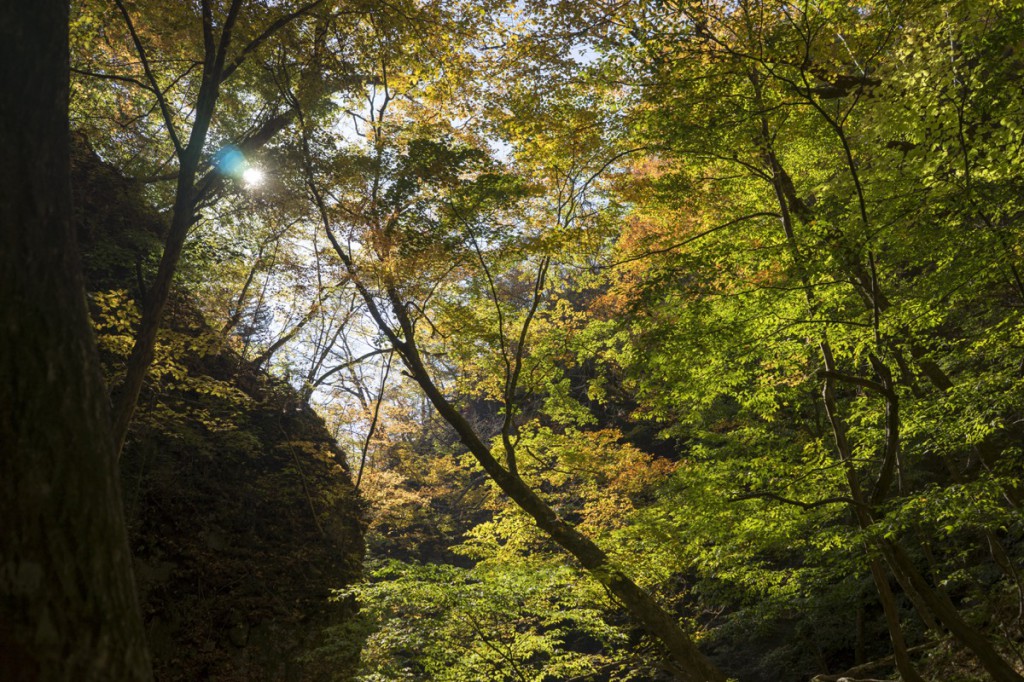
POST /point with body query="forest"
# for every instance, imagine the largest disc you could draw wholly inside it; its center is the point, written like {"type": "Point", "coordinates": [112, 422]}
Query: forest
{"type": "Point", "coordinates": [512, 340]}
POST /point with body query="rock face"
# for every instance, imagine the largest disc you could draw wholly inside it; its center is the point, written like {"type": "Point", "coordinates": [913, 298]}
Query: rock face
{"type": "Point", "coordinates": [241, 513]}
{"type": "Point", "coordinates": [242, 521]}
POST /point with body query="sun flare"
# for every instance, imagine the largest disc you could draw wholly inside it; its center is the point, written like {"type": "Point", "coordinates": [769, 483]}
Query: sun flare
{"type": "Point", "coordinates": [252, 177]}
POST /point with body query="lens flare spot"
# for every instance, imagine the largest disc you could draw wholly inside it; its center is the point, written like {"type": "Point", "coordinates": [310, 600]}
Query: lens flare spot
{"type": "Point", "coordinates": [252, 176]}
{"type": "Point", "coordinates": [230, 160]}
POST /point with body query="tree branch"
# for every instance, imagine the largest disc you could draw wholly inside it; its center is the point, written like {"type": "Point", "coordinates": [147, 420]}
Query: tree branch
{"type": "Point", "coordinates": [699, 235]}
{"type": "Point", "coordinates": [858, 381]}
{"type": "Point", "coordinates": [154, 86]}
{"type": "Point", "coordinates": [256, 42]}
{"type": "Point", "coordinates": [806, 506]}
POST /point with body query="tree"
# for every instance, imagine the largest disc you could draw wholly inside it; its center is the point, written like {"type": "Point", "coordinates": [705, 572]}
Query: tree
{"type": "Point", "coordinates": [183, 118]}
{"type": "Point", "coordinates": [69, 609]}
{"type": "Point", "coordinates": [422, 200]}
{"type": "Point", "coordinates": [776, 137]}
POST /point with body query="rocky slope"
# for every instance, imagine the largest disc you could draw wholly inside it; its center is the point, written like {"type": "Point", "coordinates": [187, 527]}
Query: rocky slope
{"type": "Point", "coordinates": [241, 512]}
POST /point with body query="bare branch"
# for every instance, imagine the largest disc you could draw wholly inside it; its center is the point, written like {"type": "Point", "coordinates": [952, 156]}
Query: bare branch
{"type": "Point", "coordinates": [351, 363]}
{"type": "Point", "coordinates": [806, 506]}
{"type": "Point", "coordinates": [267, 33]}
{"type": "Point", "coordinates": [154, 86]}
{"type": "Point", "coordinates": [374, 420]}
{"type": "Point", "coordinates": [693, 238]}
{"type": "Point", "coordinates": [858, 381]}
{"type": "Point", "coordinates": [113, 77]}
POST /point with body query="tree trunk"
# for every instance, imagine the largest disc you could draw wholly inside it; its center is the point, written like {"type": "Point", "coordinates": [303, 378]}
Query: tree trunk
{"type": "Point", "coordinates": [898, 560]}
{"type": "Point", "coordinates": [947, 614]}
{"type": "Point", "coordinates": [68, 609]}
{"type": "Point", "coordinates": [785, 196]}
{"type": "Point", "coordinates": [153, 309]}
{"type": "Point", "coordinates": [892, 618]}
{"type": "Point", "coordinates": [188, 195]}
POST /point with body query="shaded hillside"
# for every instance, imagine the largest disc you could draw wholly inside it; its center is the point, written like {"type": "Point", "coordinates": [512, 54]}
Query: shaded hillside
{"type": "Point", "coordinates": [241, 512]}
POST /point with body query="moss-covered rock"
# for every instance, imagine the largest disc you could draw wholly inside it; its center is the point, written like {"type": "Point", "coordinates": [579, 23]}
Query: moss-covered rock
{"type": "Point", "coordinates": [242, 514]}
{"type": "Point", "coordinates": [242, 519]}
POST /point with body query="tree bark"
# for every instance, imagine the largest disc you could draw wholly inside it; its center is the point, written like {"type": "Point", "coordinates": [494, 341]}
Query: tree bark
{"type": "Point", "coordinates": [68, 609]}
{"type": "Point", "coordinates": [892, 618]}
